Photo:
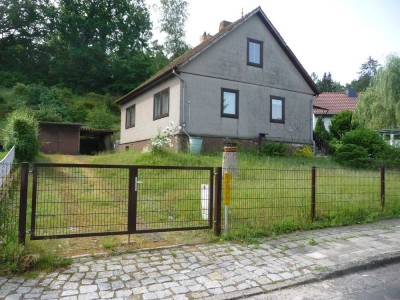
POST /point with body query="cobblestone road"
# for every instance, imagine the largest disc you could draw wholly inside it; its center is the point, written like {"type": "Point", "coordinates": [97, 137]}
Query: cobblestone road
{"type": "Point", "coordinates": [219, 270]}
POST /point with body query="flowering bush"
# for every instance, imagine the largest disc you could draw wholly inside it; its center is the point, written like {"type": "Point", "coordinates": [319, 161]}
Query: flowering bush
{"type": "Point", "coordinates": [163, 138]}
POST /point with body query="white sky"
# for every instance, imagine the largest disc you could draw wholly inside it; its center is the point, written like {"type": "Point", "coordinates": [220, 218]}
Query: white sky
{"type": "Point", "coordinates": [334, 36]}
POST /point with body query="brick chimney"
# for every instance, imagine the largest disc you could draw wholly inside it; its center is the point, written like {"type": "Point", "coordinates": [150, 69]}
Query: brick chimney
{"type": "Point", "coordinates": [224, 24]}
{"type": "Point", "coordinates": [204, 37]}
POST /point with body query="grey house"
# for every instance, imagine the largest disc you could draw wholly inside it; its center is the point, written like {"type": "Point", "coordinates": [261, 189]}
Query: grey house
{"type": "Point", "coordinates": [241, 84]}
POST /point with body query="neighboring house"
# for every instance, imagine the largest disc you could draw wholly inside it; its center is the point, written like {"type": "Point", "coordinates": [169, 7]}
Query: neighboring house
{"type": "Point", "coordinates": [326, 105]}
{"type": "Point", "coordinates": [239, 85]}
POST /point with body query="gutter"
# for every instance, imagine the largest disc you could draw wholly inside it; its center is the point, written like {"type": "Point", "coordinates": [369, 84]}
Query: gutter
{"type": "Point", "coordinates": [183, 121]}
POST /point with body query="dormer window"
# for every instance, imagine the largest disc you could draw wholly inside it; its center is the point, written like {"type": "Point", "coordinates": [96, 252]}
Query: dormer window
{"type": "Point", "coordinates": [254, 53]}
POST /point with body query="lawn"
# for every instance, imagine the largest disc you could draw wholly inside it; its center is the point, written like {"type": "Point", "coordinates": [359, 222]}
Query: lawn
{"type": "Point", "coordinates": [265, 192]}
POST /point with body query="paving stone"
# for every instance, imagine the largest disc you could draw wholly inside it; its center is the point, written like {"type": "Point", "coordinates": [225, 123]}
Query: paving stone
{"type": "Point", "coordinates": [115, 285]}
{"type": "Point", "coordinates": [87, 288]}
{"type": "Point", "coordinates": [123, 293]}
{"type": "Point", "coordinates": [106, 294]}
{"type": "Point", "coordinates": [88, 296]}
{"type": "Point", "coordinates": [70, 293]}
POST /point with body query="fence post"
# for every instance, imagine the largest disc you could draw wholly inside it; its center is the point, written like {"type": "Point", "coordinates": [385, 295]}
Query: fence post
{"type": "Point", "coordinates": [383, 187]}
{"type": "Point", "coordinates": [23, 202]}
{"type": "Point", "coordinates": [132, 199]}
{"type": "Point", "coordinates": [218, 200]}
{"type": "Point", "coordinates": [313, 187]}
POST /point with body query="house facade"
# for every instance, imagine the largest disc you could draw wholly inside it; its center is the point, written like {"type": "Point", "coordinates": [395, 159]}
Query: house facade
{"type": "Point", "coordinates": [328, 104]}
{"type": "Point", "coordinates": [240, 84]}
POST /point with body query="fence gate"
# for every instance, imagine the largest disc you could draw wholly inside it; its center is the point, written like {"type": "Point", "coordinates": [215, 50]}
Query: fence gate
{"type": "Point", "coordinates": [72, 200]}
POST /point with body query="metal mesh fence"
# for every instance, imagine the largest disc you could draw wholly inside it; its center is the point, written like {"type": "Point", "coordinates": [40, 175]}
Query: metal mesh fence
{"type": "Point", "coordinates": [392, 190]}
{"type": "Point", "coordinates": [173, 198]}
{"type": "Point", "coordinates": [79, 200]}
{"type": "Point", "coordinates": [268, 196]}
{"type": "Point", "coordinates": [9, 201]}
{"type": "Point", "coordinates": [344, 191]}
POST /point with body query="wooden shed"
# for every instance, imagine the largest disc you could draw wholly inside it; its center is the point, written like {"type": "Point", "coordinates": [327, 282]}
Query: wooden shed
{"type": "Point", "coordinates": [72, 138]}
{"type": "Point", "coordinates": [62, 138]}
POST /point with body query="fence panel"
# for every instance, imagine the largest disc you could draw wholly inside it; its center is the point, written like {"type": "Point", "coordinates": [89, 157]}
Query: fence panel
{"type": "Point", "coordinates": [79, 200]}
{"type": "Point", "coordinates": [345, 190]}
{"type": "Point", "coordinates": [392, 185]}
{"type": "Point", "coordinates": [6, 165]}
{"type": "Point", "coordinates": [264, 197]}
{"type": "Point", "coordinates": [174, 198]}
{"type": "Point", "coordinates": [9, 202]}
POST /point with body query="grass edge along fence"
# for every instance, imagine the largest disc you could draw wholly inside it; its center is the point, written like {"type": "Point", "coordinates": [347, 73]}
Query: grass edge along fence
{"type": "Point", "coordinates": [272, 198]}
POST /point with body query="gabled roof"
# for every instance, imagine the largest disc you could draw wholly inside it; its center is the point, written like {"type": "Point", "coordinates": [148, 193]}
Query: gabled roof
{"type": "Point", "coordinates": [182, 60]}
{"type": "Point", "coordinates": [331, 103]}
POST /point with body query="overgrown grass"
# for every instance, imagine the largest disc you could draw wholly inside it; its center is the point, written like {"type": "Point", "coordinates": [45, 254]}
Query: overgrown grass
{"type": "Point", "coordinates": [2, 155]}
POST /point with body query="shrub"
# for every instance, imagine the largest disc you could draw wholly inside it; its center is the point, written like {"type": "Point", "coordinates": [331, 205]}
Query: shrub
{"type": "Point", "coordinates": [322, 136]}
{"type": "Point", "coordinates": [163, 138]}
{"type": "Point", "coordinates": [368, 139]}
{"type": "Point", "coordinates": [304, 151]}
{"type": "Point", "coordinates": [100, 117]}
{"type": "Point", "coordinates": [341, 123]}
{"type": "Point", "coordinates": [274, 149]}
{"type": "Point", "coordinates": [353, 156]}
{"type": "Point", "coordinates": [21, 131]}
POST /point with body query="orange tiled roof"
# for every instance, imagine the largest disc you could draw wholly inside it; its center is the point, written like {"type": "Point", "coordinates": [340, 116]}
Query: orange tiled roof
{"type": "Point", "coordinates": [333, 102]}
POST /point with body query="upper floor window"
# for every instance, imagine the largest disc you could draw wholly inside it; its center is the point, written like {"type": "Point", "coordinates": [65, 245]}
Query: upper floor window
{"type": "Point", "coordinates": [254, 53]}
{"type": "Point", "coordinates": [130, 117]}
{"type": "Point", "coordinates": [277, 109]}
{"type": "Point", "coordinates": [229, 103]}
{"type": "Point", "coordinates": [161, 104]}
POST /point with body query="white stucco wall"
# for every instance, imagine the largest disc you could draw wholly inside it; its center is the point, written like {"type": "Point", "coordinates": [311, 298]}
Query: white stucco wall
{"type": "Point", "coordinates": [145, 127]}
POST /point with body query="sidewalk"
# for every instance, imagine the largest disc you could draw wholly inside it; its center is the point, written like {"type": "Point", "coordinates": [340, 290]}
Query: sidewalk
{"type": "Point", "coordinates": [216, 271]}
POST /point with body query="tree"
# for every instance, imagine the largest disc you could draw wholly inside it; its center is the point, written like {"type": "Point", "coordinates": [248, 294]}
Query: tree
{"type": "Point", "coordinates": [24, 24]}
{"type": "Point", "coordinates": [321, 134]}
{"type": "Point", "coordinates": [100, 117]}
{"type": "Point", "coordinates": [93, 37]}
{"type": "Point", "coordinates": [327, 84]}
{"type": "Point", "coordinates": [173, 17]}
{"type": "Point", "coordinates": [379, 106]}
{"type": "Point", "coordinates": [341, 123]}
{"type": "Point", "coordinates": [21, 131]}
{"type": "Point", "coordinates": [366, 73]}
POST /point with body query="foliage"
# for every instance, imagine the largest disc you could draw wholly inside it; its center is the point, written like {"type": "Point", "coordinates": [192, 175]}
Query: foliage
{"type": "Point", "coordinates": [21, 131]}
{"type": "Point", "coordinates": [353, 156]}
{"type": "Point", "coordinates": [379, 106]}
{"type": "Point", "coordinates": [274, 149]}
{"type": "Point", "coordinates": [366, 73]}
{"type": "Point", "coordinates": [304, 151]}
{"type": "Point", "coordinates": [327, 84]}
{"type": "Point", "coordinates": [173, 17]}
{"type": "Point", "coordinates": [100, 117]}
{"type": "Point", "coordinates": [322, 136]}
{"type": "Point", "coordinates": [83, 45]}
{"type": "Point", "coordinates": [341, 123]}
{"type": "Point", "coordinates": [163, 138]}
{"type": "Point", "coordinates": [368, 139]}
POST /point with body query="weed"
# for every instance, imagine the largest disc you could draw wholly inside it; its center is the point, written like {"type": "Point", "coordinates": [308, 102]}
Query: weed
{"type": "Point", "coordinates": [321, 268]}
{"type": "Point", "coordinates": [301, 244]}
{"type": "Point", "coordinates": [312, 242]}
{"type": "Point", "coordinates": [284, 249]}
{"type": "Point", "coordinates": [174, 255]}
{"type": "Point", "coordinates": [109, 243]}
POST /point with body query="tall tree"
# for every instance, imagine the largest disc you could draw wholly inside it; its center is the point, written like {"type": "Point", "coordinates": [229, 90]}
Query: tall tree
{"type": "Point", "coordinates": [173, 17]}
{"type": "Point", "coordinates": [327, 84]}
{"type": "Point", "coordinates": [366, 73]}
{"type": "Point", "coordinates": [92, 39]}
{"type": "Point", "coordinates": [379, 106]}
{"type": "Point", "coordinates": [24, 24]}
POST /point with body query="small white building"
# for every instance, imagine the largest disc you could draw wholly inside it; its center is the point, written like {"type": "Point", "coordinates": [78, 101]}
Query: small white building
{"type": "Point", "coordinates": [328, 104]}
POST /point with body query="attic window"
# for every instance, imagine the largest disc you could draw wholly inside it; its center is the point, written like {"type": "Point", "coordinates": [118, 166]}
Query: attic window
{"type": "Point", "coordinates": [254, 53]}
{"type": "Point", "coordinates": [161, 104]}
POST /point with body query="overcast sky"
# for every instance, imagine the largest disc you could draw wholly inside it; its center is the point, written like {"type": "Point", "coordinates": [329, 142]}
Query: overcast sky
{"type": "Point", "coordinates": [334, 36]}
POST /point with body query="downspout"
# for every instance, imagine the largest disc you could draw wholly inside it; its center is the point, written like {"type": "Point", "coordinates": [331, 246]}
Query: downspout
{"type": "Point", "coordinates": [183, 121]}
